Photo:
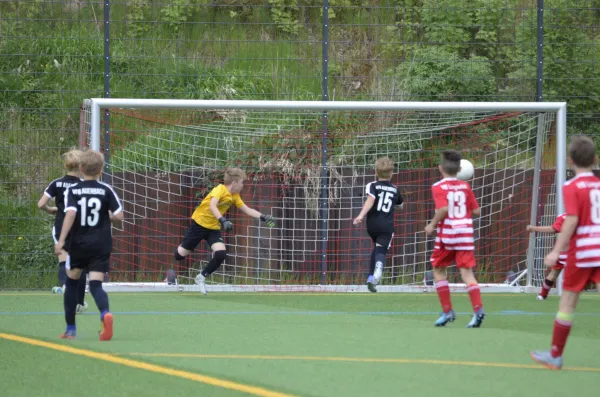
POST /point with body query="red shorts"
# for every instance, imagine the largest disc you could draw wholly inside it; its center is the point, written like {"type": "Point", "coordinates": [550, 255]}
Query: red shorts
{"type": "Point", "coordinates": [577, 278]}
{"type": "Point", "coordinates": [558, 266]}
{"type": "Point", "coordinates": [444, 258]}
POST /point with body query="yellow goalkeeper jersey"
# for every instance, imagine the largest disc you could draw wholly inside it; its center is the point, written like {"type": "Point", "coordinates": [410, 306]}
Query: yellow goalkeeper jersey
{"type": "Point", "coordinates": [202, 214]}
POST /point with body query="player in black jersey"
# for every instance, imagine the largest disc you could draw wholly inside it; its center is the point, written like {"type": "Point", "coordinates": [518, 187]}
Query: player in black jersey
{"type": "Point", "coordinates": [382, 199]}
{"type": "Point", "coordinates": [56, 190]}
{"type": "Point", "coordinates": [91, 207]}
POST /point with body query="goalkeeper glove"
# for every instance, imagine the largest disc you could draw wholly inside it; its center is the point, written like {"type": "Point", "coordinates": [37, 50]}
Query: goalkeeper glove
{"type": "Point", "coordinates": [268, 220]}
{"type": "Point", "coordinates": [227, 226]}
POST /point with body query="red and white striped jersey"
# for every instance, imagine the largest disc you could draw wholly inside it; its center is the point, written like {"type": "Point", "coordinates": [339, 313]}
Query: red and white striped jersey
{"type": "Point", "coordinates": [557, 226]}
{"type": "Point", "coordinates": [455, 231]}
{"type": "Point", "coordinates": [582, 199]}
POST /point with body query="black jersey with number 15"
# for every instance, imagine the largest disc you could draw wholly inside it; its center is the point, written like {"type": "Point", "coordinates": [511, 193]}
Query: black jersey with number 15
{"type": "Point", "coordinates": [380, 219]}
{"type": "Point", "coordinates": [91, 232]}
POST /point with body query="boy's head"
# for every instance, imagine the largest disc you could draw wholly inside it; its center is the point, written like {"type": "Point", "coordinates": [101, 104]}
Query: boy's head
{"type": "Point", "coordinates": [92, 163]}
{"type": "Point", "coordinates": [71, 160]}
{"type": "Point", "coordinates": [582, 152]}
{"type": "Point", "coordinates": [450, 165]}
{"type": "Point", "coordinates": [234, 178]}
{"type": "Point", "coordinates": [384, 168]}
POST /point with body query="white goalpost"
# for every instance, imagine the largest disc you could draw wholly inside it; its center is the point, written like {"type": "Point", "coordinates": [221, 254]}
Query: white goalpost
{"type": "Point", "coordinates": [307, 164]}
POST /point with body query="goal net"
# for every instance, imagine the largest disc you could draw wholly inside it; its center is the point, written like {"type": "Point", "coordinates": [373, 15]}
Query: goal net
{"type": "Point", "coordinates": [307, 165]}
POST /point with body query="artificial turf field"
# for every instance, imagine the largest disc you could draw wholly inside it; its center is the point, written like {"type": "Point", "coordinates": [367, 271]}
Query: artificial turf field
{"type": "Point", "coordinates": [186, 344]}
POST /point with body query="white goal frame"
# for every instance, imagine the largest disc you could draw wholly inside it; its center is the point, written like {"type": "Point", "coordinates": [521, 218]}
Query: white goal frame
{"type": "Point", "coordinates": [95, 106]}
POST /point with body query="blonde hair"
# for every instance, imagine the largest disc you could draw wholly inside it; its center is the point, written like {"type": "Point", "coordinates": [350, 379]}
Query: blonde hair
{"type": "Point", "coordinates": [92, 163]}
{"type": "Point", "coordinates": [71, 160]}
{"type": "Point", "coordinates": [233, 174]}
{"type": "Point", "coordinates": [384, 167]}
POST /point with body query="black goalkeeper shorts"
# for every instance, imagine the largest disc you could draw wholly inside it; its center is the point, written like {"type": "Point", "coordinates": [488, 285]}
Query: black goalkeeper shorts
{"type": "Point", "coordinates": [196, 233]}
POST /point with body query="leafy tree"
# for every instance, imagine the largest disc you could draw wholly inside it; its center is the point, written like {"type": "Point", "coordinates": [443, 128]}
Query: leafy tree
{"type": "Point", "coordinates": [438, 75]}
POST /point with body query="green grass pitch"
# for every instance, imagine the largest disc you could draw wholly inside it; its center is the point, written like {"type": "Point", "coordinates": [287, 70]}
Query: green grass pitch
{"type": "Point", "coordinates": [186, 344]}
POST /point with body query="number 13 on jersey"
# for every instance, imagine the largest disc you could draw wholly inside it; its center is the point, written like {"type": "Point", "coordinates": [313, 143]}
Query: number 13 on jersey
{"type": "Point", "coordinates": [457, 204]}
{"type": "Point", "coordinates": [94, 205]}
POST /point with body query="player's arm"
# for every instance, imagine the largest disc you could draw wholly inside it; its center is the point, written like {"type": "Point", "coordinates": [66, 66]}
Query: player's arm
{"type": "Point", "coordinates": [567, 231]}
{"type": "Point", "coordinates": [250, 211]}
{"type": "Point", "coordinates": [476, 211]}
{"type": "Point", "coordinates": [368, 204]}
{"type": "Point", "coordinates": [441, 210]}
{"type": "Point", "coordinates": [400, 202]}
{"type": "Point", "coordinates": [440, 214]}
{"type": "Point", "coordinates": [49, 193]}
{"type": "Point", "coordinates": [70, 214]}
{"type": "Point", "coordinates": [267, 219]}
{"type": "Point", "coordinates": [365, 209]}
{"type": "Point", "coordinates": [540, 229]}
{"type": "Point", "coordinates": [214, 210]}
{"type": "Point", "coordinates": [115, 208]}
{"type": "Point", "coordinates": [568, 227]}
{"type": "Point", "coordinates": [114, 218]}
{"type": "Point", "coordinates": [43, 205]}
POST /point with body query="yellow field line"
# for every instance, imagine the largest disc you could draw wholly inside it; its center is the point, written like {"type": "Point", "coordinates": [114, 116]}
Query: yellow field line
{"type": "Point", "coordinates": [209, 380]}
{"type": "Point", "coordinates": [360, 360]}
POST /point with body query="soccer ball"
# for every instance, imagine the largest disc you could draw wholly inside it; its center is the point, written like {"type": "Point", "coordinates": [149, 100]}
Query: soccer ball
{"type": "Point", "coordinates": [466, 170]}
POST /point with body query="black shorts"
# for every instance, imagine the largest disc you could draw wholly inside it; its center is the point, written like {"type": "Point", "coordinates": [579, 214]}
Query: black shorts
{"type": "Point", "coordinates": [196, 233]}
{"type": "Point", "coordinates": [382, 239]}
{"type": "Point", "coordinates": [90, 263]}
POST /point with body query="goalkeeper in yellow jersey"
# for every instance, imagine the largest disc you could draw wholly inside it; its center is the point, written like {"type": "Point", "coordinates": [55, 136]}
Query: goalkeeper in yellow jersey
{"type": "Point", "coordinates": [209, 218]}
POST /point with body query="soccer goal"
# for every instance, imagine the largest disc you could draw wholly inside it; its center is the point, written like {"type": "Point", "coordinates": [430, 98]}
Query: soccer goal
{"type": "Point", "coordinates": [307, 165]}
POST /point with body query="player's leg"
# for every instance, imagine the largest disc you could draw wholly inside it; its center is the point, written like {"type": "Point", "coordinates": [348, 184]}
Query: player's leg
{"type": "Point", "coordinates": [62, 260]}
{"type": "Point", "coordinates": [70, 299]}
{"type": "Point", "coordinates": [219, 253]}
{"type": "Point", "coordinates": [440, 260]}
{"type": "Point", "coordinates": [81, 303]}
{"type": "Point", "coordinates": [465, 262]}
{"type": "Point", "coordinates": [192, 237]}
{"type": "Point", "coordinates": [370, 281]}
{"type": "Point", "coordinates": [99, 266]}
{"type": "Point", "coordinates": [382, 245]}
{"type": "Point", "coordinates": [62, 273]}
{"type": "Point", "coordinates": [575, 280]}
{"type": "Point", "coordinates": [562, 327]}
{"type": "Point", "coordinates": [549, 282]}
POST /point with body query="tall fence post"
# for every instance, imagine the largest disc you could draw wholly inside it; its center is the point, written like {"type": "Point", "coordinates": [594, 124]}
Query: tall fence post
{"type": "Point", "coordinates": [106, 74]}
{"type": "Point", "coordinates": [535, 252]}
{"type": "Point", "coordinates": [324, 201]}
{"type": "Point", "coordinates": [539, 86]}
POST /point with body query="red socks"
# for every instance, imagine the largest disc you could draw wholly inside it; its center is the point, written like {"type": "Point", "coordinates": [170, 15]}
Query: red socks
{"type": "Point", "coordinates": [562, 327]}
{"type": "Point", "coordinates": [443, 292]}
{"type": "Point", "coordinates": [475, 295]}
{"type": "Point", "coordinates": [546, 287]}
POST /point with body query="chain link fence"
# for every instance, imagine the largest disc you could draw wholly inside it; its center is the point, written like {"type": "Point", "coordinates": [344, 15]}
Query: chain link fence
{"type": "Point", "coordinates": [56, 53]}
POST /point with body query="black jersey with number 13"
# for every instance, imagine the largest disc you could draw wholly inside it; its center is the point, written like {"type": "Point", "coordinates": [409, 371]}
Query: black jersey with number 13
{"type": "Point", "coordinates": [91, 232]}
{"type": "Point", "coordinates": [380, 219]}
